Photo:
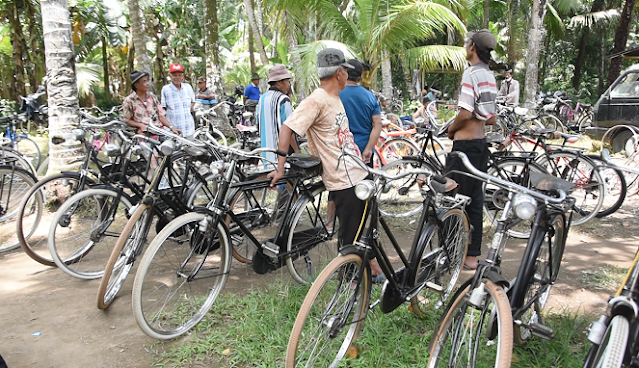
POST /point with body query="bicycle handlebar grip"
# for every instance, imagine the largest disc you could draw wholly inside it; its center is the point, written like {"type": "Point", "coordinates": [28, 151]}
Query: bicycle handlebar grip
{"type": "Point", "coordinates": [281, 153]}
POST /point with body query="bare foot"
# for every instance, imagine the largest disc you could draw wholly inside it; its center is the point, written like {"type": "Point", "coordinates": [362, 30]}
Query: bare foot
{"type": "Point", "coordinates": [471, 262]}
{"type": "Point", "coordinates": [375, 269]}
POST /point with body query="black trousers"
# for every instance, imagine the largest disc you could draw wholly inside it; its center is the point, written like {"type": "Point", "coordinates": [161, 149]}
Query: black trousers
{"type": "Point", "coordinates": [477, 152]}
{"type": "Point", "coordinates": [349, 211]}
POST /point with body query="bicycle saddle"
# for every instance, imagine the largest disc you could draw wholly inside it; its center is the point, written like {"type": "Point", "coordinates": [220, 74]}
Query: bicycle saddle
{"type": "Point", "coordinates": [547, 182]}
{"type": "Point", "coordinates": [193, 151]}
{"type": "Point", "coordinates": [303, 161]}
{"type": "Point", "coordinates": [570, 138]}
{"type": "Point", "coordinates": [244, 128]}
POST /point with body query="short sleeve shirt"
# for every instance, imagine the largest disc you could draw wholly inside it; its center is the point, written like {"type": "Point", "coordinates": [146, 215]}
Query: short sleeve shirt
{"type": "Point", "coordinates": [272, 110]}
{"type": "Point", "coordinates": [178, 107]}
{"type": "Point", "coordinates": [360, 106]}
{"type": "Point", "coordinates": [252, 93]}
{"type": "Point", "coordinates": [478, 91]}
{"type": "Point", "coordinates": [323, 119]}
{"type": "Point", "coordinates": [142, 111]}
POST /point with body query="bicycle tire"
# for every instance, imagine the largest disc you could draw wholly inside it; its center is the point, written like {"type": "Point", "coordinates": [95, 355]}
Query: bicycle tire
{"type": "Point", "coordinates": [123, 255]}
{"type": "Point", "coordinates": [10, 157]}
{"type": "Point", "coordinates": [44, 167]}
{"type": "Point", "coordinates": [162, 269]}
{"type": "Point", "coordinates": [309, 238]}
{"type": "Point", "coordinates": [514, 170]}
{"type": "Point", "coordinates": [35, 242]}
{"type": "Point", "coordinates": [454, 237]}
{"type": "Point", "coordinates": [584, 173]}
{"type": "Point", "coordinates": [15, 183]}
{"type": "Point", "coordinates": [616, 187]}
{"type": "Point", "coordinates": [316, 318]}
{"type": "Point", "coordinates": [404, 198]}
{"type": "Point", "coordinates": [612, 348]}
{"type": "Point", "coordinates": [460, 315]}
{"type": "Point", "coordinates": [28, 148]}
{"type": "Point", "coordinates": [550, 121]}
{"type": "Point", "coordinates": [396, 148]}
{"type": "Point", "coordinates": [545, 269]}
{"type": "Point", "coordinates": [80, 257]}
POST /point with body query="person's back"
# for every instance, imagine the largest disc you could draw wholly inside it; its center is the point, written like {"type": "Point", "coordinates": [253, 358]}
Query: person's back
{"type": "Point", "coordinates": [274, 108]}
{"type": "Point", "coordinates": [360, 105]}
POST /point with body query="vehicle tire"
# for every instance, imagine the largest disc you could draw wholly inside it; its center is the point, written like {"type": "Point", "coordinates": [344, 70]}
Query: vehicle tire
{"type": "Point", "coordinates": [590, 187]}
{"type": "Point", "coordinates": [37, 209]}
{"type": "Point", "coordinates": [15, 183]}
{"type": "Point", "coordinates": [85, 229]}
{"type": "Point", "coordinates": [545, 271]}
{"type": "Point", "coordinates": [12, 158]}
{"type": "Point", "coordinates": [515, 170]}
{"type": "Point", "coordinates": [30, 150]}
{"type": "Point", "coordinates": [44, 167]}
{"type": "Point", "coordinates": [620, 139]}
{"type": "Point", "coordinates": [404, 198]}
{"type": "Point", "coordinates": [168, 297]}
{"type": "Point", "coordinates": [455, 343]}
{"type": "Point", "coordinates": [585, 122]}
{"type": "Point", "coordinates": [326, 303]}
{"type": "Point", "coordinates": [396, 148]}
{"type": "Point", "coordinates": [453, 236]}
{"type": "Point", "coordinates": [551, 122]}
{"type": "Point", "coordinates": [616, 187]}
{"type": "Point", "coordinates": [126, 249]}
{"type": "Point", "coordinates": [612, 349]}
{"type": "Point", "coordinates": [309, 238]}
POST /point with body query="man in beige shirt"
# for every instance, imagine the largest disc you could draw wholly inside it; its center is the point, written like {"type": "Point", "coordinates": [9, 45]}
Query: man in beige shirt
{"type": "Point", "coordinates": [322, 118]}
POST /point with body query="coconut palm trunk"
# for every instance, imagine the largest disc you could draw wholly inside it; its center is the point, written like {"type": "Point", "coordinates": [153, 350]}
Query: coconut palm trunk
{"type": "Point", "coordinates": [138, 36]}
{"type": "Point", "coordinates": [257, 32]}
{"type": "Point", "coordinates": [64, 150]}
{"type": "Point", "coordinates": [212, 48]}
{"type": "Point", "coordinates": [387, 76]}
{"type": "Point", "coordinates": [535, 38]}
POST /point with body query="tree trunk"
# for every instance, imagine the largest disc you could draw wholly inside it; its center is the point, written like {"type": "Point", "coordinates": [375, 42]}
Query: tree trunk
{"type": "Point", "coordinates": [36, 46]}
{"type": "Point", "coordinates": [486, 13]}
{"type": "Point", "coordinates": [248, 4]}
{"type": "Point", "coordinates": [535, 38]}
{"type": "Point", "coordinates": [62, 87]}
{"type": "Point", "coordinates": [602, 65]}
{"type": "Point", "coordinates": [139, 37]}
{"type": "Point", "coordinates": [212, 49]}
{"type": "Point", "coordinates": [621, 37]}
{"type": "Point", "coordinates": [416, 86]}
{"type": "Point", "coordinates": [258, 16]}
{"type": "Point", "coordinates": [105, 69]}
{"type": "Point", "coordinates": [274, 44]}
{"type": "Point", "coordinates": [251, 48]}
{"type": "Point", "coordinates": [17, 42]}
{"type": "Point", "coordinates": [597, 5]}
{"type": "Point", "coordinates": [387, 76]}
{"type": "Point", "coordinates": [512, 34]}
{"type": "Point", "coordinates": [130, 66]}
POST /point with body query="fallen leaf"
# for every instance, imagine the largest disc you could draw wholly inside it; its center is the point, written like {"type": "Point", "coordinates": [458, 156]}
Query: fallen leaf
{"type": "Point", "coordinates": [226, 352]}
{"type": "Point", "coordinates": [353, 352]}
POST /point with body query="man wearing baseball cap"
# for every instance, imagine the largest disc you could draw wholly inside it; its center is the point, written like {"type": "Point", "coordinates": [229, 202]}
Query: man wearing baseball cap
{"type": "Point", "coordinates": [273, 109]}
{"type": "Point", "coordinates": [362, 110]}
{"type": "Point", "coordinates": [476, 109]}
{"type": "Point", "coordinates": [178, 99]}
{"type": "Point", "coordinates": [252, 93]}
{"type": "Point", "coordinates": [321, 117]}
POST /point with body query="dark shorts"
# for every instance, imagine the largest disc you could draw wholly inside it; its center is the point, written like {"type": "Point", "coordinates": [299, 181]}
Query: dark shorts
{"type": "Point", "coordinates": [350, 213]}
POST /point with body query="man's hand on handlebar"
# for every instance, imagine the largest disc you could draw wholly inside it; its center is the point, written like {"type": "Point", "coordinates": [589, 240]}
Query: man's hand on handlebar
{"type": "Point", "coordinates": [275, 176]}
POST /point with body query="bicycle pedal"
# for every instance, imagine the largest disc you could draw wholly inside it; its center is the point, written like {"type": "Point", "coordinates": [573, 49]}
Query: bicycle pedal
{"type": "Point", "coordinates": [271, 249]}
{"type": "Point", "coordinates": [435, 287]}
{"type": "Point", "coordinates": [541, 331]}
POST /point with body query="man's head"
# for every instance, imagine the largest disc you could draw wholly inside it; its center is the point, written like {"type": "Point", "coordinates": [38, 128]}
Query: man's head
{"type": "Point", "coordinates": [139, 81]}
{"type": "Point", "coordinates": [280, 78]}
{"type": "Point", "coordinates": [355, 74]}
{"type": "Point", "coordinates": [331, 64]}
{"type": "Point", "coordinates": [255, 79]}
{"type": "Point", "coordinates": [425, 101]}
{"type": "Point", "coordinates": [509, 74]}
{"type": "Point", "coordinates": [479, 45]}
{"type": "Point", "coordinates": [176, 71]}
{"type": "Point", "coordinates": [201, 83]}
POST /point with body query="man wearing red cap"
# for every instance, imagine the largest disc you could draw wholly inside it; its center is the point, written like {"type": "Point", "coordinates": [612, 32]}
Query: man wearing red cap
{"type": "Point", "coordinates": [178, 99]}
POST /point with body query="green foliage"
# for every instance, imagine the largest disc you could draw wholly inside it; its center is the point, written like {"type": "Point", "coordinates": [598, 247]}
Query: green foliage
{"type": "Point", "coordinates": [102, 102]}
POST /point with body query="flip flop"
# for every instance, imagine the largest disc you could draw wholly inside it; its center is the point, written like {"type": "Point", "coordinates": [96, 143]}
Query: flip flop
{"type": "Point", "coordinates": [467, 267]}
{"type": "Point", "coordinates": [379, 278]}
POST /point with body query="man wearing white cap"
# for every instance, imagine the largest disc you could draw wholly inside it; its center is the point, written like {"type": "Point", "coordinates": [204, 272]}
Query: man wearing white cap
{"type": "Point", "coordinates": [273, 108]}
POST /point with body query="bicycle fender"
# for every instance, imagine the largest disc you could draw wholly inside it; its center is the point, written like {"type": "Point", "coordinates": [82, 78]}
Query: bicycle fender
{"type": "Point", "coordinates": [352, 249]}
{"type": "Point", "coordinates": [497, 278]}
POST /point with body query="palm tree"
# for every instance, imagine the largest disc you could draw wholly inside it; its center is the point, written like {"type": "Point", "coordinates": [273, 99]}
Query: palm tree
{"type": "Point", "coordinates": [621, 37]}
{"type": "Point", "coordinates": [212, 47]}
{"type": "Point", "coordinates": [138, 35]}
{"type": "Point", "coordinates": [62, 89]}
{"type": "Point", "coordinates": [535, 37]}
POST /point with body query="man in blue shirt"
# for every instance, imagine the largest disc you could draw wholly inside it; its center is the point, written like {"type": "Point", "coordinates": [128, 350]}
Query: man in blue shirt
{"type": "Point", "coordinates": [362, 110]}
{"type": "Point", "coordinates": [252, 93]}
{"type": "Point", "coordinates": [178, 99]}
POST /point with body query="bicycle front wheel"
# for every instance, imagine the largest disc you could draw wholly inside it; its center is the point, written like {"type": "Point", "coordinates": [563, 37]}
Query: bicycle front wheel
{"type": "Point", "coordinates": [309, 239]}
{"type": "Point", "coordinates": [331, 315]}
{"type": "Point", "coordinates": [444, 269]}
{"type": "Point", "coordinates": [180, 275]}
{"type": "Point", "coordinates": [85, 229]}
{"type": "Point", "coordinates": [478, 334]}
{"type": "Point", "coordinates": [14, 185]}
{"type": "Point", "coordinates": [611, 351]}
{"type": "Point", "coordinates": [616, 187]}
{"type": "Point", "coordinates": [126, 249]}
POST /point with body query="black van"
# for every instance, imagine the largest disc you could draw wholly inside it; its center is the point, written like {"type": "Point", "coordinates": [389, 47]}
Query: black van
{"type": "Point", "coordinates": [619, 105]}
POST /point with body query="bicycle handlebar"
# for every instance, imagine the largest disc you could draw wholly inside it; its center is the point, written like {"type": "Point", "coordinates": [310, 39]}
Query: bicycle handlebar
{"type": "Point", "coordinates": [438, 178]}
{"type": "Point", "coordinates": [105, 126]}
{"type": "Point", "coordinates": [153, 129]}
{"type": "Point", "coordinates": [605, 155]}
{"type": "Point", "coordinates": [505, 183]}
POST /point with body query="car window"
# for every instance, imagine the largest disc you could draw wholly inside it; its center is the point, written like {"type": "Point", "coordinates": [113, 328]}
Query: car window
{"type": "Point", "coordinates": [627, 87]}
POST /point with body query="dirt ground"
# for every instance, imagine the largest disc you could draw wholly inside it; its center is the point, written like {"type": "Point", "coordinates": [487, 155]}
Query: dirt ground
{"type": "Point", "coordinates": [49, 319]}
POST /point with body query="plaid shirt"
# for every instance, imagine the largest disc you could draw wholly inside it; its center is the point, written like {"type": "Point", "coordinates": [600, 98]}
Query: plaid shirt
{"type": "Point", "coordinates": [149, 110]}
{"type": "Point", "coordinates": [178, 107]}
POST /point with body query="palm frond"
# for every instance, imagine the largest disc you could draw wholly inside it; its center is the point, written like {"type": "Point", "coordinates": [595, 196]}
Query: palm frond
{"type": "Point", "coordinates": [335, 24]}
{"type": "Point", "coordinates": [591, 19]}
{"type": "Point", "coordinates": [87, 75]}
{"type": "Point", "coordinates": [434, 58]}
{"type": "Point", "coordinates": [553, 21]}
{"type": "Point", "coordinates": [567, 6]}
{"type": "Point", "coordinates": [307, 68]}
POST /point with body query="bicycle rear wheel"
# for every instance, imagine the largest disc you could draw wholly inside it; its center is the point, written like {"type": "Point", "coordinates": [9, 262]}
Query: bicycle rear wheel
{"type": "Point", "coordinates": [443, 270]}
{"type": "Point", "coordinates": [396, 148]}
{"type": "Point", "coordinates": [85, 229]}
{"type": "Point", "coordinates": [474, 335]}
{"type": "Point", "coordinates": [612, 348]}
{"type": "Point", "coordinates": [15, 183]}
{"type": "Point", "coordinates": [616, 187]}
{"type": "Point", "coordinates": [331, 315]}
{"type": "Point", "coordinates": [309, 239]}
{"type": "Point", "coordinates": [404, 198]}
{"type": "Point", "coordinates": [180, 275]}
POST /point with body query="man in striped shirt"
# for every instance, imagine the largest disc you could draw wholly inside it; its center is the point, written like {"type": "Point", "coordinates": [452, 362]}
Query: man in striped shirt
{"type": "Point", "coordinates": [476, 109]}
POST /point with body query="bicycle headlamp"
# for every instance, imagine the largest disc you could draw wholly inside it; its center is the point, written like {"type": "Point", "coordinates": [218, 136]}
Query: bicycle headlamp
{"type": "Point", "coordinates": [365, 189]}
{"type": "Point", "coordinates": [168, 147]}
{"type": "Point", "coordinates": [112, 150]}
{"type": "Point", "coordinates": [524, 205]}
